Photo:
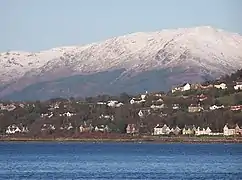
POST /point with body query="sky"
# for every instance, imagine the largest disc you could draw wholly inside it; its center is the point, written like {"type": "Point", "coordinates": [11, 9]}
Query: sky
{"type": "Point", "coordinates": [35, 25]}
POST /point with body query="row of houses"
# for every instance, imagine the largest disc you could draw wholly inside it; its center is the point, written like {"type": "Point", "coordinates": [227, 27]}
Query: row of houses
{"type": "Point", "coordinates": [187, 130]}
{"type": "Point", "coordinates": [14, 129]}
{"type": "Point", "coordinates": [134, 129]}
{"type": "Point", "coordinates": [198, 131]}
{"type": "Point", "coordinates": [187, 87]}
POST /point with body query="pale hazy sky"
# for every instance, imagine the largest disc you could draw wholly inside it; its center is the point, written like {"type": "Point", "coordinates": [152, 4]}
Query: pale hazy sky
{"type": "Point", "coordinates": [33, 25]}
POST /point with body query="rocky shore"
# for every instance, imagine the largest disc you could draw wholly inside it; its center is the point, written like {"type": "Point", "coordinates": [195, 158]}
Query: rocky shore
{"type": "Point", "coordinates": [142, 139]}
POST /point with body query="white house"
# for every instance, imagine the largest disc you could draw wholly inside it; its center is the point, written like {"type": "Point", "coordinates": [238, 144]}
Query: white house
{"type": "Point", "coordinates": [157, 129]}
{"type": "Point", "coordinates": [67, 127]}
{"type": "Point", "coordinates": [136, 101]}
{"type": "Point", "coordinates": [101, 103]}
{"type": "Point", "coordinates": [54, 106]}
{"type": "Point", "coordinates": [189, 130]}
{"type": "Point", "coordinates": [157, 106]}
{"type": "Point", "coordinates": [143, 96]}
{"type": "Point", "coordinates": [238, 86]}
{"type": "Point", "coordinates": [47, 127]}
{"type": "Point", "coordinates": [175, 106]}
{"type": "Point", "coordinates": [160, 100]}
{"type": "Point", "coordinates": [101, 128]}
{"type": "Point", "coordinates": [161, 130]}
{"type": "Point", "coordinates": [228, 131]}
{"type": "Point", "coordinates": [68, 114]}
{"type": "Point", "coordinates": [8, 107]}
{"type": "Point", "coordinates": [140, 113]}
{"type": "Point", "coordinates": [176, 130]}
{"type": "Point", "coordinates": [114, 103]}
{"type": "Point", "coordinates": [12, 129]}
{"type": "Point", "coordinates": [110, 117]}
{"type": "Point", "coordinates": [214, 107]}
{"type": "Point", "coordinates": [144, 113]}
{"type": "Point", "coordinates": [202, 131]}
{"type": "Point", "coordinates": [158, 95]}
{"type": "Point", "coordinates": [220, 86]}
{"type": "Point", "coordinates": [185, 87]}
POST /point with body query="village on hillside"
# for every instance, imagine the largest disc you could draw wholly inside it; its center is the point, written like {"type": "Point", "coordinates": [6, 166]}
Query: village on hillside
{"type": "Point", "coordinates": [207, 109]}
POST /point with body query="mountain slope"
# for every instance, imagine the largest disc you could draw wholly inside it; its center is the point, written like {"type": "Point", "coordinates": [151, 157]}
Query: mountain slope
{"type": "Point", "coordinates": [201, 51]}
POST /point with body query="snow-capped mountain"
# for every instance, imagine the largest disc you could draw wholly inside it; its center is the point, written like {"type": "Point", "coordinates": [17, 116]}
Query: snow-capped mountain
{"type": "Point", "coordinates": [203, 50]}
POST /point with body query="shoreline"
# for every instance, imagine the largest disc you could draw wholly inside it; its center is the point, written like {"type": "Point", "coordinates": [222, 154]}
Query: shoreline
{"type": "Point", "coordinates": [158, 140]}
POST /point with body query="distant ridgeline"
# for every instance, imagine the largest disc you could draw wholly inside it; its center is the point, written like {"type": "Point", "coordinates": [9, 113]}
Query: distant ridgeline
{"type": "Point", "coordinates": [212, 108]}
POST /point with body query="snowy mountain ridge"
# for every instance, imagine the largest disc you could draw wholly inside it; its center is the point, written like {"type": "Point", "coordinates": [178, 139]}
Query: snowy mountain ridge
{"type": "Point", "coordinates": [209, 50]}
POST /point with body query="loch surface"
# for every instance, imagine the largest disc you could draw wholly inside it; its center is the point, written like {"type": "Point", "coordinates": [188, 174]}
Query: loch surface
{"type": "Point", "coordinates": [54, 160]}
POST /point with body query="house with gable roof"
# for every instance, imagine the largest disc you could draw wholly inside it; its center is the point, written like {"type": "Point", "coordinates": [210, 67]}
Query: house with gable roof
{"type": "Point", "coordinates": [189, 130]}
{"type": "Point", "coordinates": [132, 129]}
{"type": "Point", "coordinates": [230, 130]}
{"type": "Point", "coordinates": [184, 87]}
{"type": "Point", "coordinates": [238, 86]}
{"type": "Point", "coordinates": [220, 86]}
{"type": "Point", "coordinates": [202, 131]}
{"type": "Point", "coordinates": [12, 129]}
{"type": "Point", "coordinates": [161, 130]}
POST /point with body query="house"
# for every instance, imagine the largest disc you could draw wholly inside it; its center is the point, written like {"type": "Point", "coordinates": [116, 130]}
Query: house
{"type": "Point", "coordinates": [155, 107]}
{"type": "Point", "coordinates": [158, 95]}
{"type": "Point", "coordinates": [132, 129]}
{"type": "Point", "coordinates": [21, 105]}
{"type": "Point", "coordinates": [208, 86]}
{"type": "Point", "coordinates": [175, 106]}
{"type": "Point", "coordinates": [85, 128]}
{"type": "Point", "coordinates": [195, 108]}
{"type": "Point", "coordinates": [44, 115]}
{"type": "Point", "coordinates": [114, 103]}
{"type": "Point", "coordinates": [161, 130]}
{"type": "Point", "coordinates": [202, 131]}
{"type": "Point", "coordinates": [47, 115]}
{"type": "Point", "coordinates": [214, 107]}
{"type": "Point", "coordinates": [54, 106]}
{"type": "Point", "coordinates": [176, 130]}
{"type": "Point", "coordinates": [189, 130]}
{"type": "Point", "coordinates": [8, 107]}
{"type": "Point", "coordinates": [67, 114]}
{"type": "Point", "coordinates": [238, 86]}
{"type": "Point", "coordinates": [109, 117]}
{"type": "Point", "coordinates": [236, 108]}
{"type": "Point", "coordinates": [136, 101]}
{"type": "Point", "coordinates": [202, 97]}
{"type": "Point", "coordinates": [101, 128]}
{"type": "Point", "coordinates": [185, 87]}
{"type": "Point", "coordinates": [101, 103]}
{"type": "Point", "coordinates": [238, 130]}
{"type": "Point", "coordinates": [162, 114]}
{"type": "Point", "coordinates": [12, 129]}
{"type": "Point", "coordinates": [160, 100]}
{"type": "Point", "coordinates": [157, 130]}
{"type": "Point", "coordinates": [144, 113]}
{"type": "Point", "coordinates": [67, 127]}
{"type": "Point", "coordinates": [232, 130]}
{"type": "Point", "coordinates": [143, 96]}
{"type": "Point", "coordinates": [228, 131]}
{"type": "Point", "coordinates": [48, 127]}
{"type": "Point", "coordinates": [220, 86]}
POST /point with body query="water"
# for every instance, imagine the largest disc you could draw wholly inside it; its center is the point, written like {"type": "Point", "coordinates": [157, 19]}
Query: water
{"type": "Point", "coordinates": [120, 161]}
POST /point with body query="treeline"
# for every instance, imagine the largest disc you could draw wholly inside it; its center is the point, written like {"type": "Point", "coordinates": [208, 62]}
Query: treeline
{"type": "Point", "coordinates": [87, 111]}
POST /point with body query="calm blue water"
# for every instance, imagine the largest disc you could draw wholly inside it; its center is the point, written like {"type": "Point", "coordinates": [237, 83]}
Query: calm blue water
{"type": "Point", "coordinates": [120, 161]}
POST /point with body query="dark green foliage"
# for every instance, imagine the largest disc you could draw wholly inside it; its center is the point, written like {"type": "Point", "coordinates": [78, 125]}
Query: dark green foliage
{"type": "Point", "coordinates": [87, 111]}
